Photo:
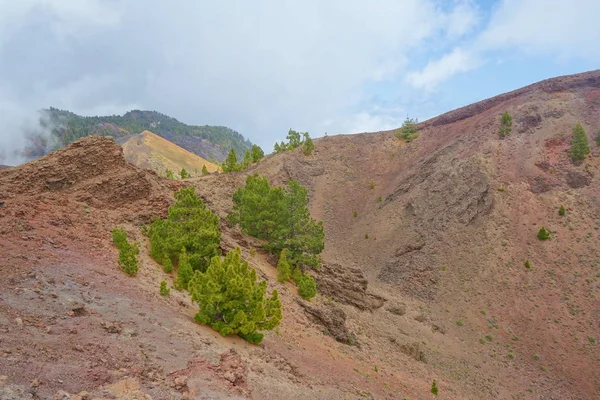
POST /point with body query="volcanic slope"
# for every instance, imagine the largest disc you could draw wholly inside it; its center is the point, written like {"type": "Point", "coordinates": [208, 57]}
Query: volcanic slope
{"type": "Point", "coordinates": [150, 151]}
{"type": "Point", "coordinates": [73, 324]}
{"type": "Point", "coordinates": [423, 276]}
{"type": "Point", "coordinates": [442, 228]}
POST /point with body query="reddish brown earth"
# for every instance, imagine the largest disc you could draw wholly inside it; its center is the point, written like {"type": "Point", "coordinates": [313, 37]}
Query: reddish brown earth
{"type": "Point", "coordinates": [439, 289]}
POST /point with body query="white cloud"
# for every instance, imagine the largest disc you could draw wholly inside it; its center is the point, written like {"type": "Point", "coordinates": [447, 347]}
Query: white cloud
{"type": "Point", "coordinates": [465, 17]}
{"type": "Point", "coordinates": [258, 67]}
{"type": "Point", "coordinates": [545, 27]}
{"type": "Point", "coordinates": [437, 71]}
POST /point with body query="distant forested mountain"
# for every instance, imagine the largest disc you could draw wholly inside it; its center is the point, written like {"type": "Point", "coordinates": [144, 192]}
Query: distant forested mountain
{"type": "Point", "coordinates": [209, 142]}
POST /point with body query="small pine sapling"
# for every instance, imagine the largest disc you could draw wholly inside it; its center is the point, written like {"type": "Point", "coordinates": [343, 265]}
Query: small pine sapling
{"type": "Point", "coordinates": [562, 211]}
{"type": "Point", "coordinates": [543, 234]}
{"type": "Point", "coordinates": [164, 290]}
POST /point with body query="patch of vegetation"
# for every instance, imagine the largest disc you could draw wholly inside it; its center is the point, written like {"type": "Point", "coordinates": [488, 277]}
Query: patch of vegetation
{"type": "Point", "coordinates": [231, 301]}
{"type": "Point", "coordinates": [408, 131]}
{"type": "Point", "coordinates": [169, 174]}
{"type": "Point", "coordinates": [379, 199]}
{"type": "Point", "coordinates": [562, 211]}
{"type": "Point", "coordinates": [307, 287]}
{"type": "Point", "coordinates": [309, 146]}
{"type": "Point", "coordinates": [251, 156]}
{"type": "Point", "coordinates": [372, 186]}
{"type": "Point", "coordinates": [505, 124]}
{"type": "Point", "coordinates": [204, 170]}
{"type": "Point", "coordinates": [536, 357]}
{"type": "Point", "coordinates": [257, 153]}
{"type": "Point", "coordinates": [355, 214]}
{"type": "Point", "coordinates": [284, 269]}
{"type": "Point", "coordinates": [598, 139]}
{"type": "Point", "coordinates": [295, 140]}
{"type": "Point", "coordinates": [580, 147]}
{"type": "Point", "coordinates": [460, 322]}
{"type": "Point", "coordinates": [592, 340]}
{"type": "Point", "coordinates": [184, 174]}
{"type": "Point", "coordinates": [543, 234]}
{"type": "Point", "coordinates": [366, 235]}
{"type": "Point", "coordinates": [127, 252]}
{"type": "Point", "coordinates": [527, 264]}
{"type": "Point", "coordinates": [280, 216]}
{"type": "Point", "coordinates": [164, 290]}
{"type": "Point", "coordinates": [190, 229]}
{"type": "Point", "coordinates": [434, 388]}
{"type": "Point", "coordinates": [501, 189]}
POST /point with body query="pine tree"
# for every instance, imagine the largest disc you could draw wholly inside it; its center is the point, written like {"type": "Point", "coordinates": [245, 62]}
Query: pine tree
{"type": "Point", "coordinates": [293, 138]}
{"type": "Point", "coordinates": [408, 130]}
{"type": "Point", "coordinates": [190, 225]}
{"type": "Point", "coordinates": [579, 144]}
{"type": "Point", "coordinates": [164, 290]}
{"type": "Point", "coordinates": [231, 164]}
{"type": "Point", "coordinates": [128, 252]}
{"type": "Point", "coordinates": [231, 300]}
{"type": "Point", "coordinates": [434, 388]}
{"type": "Point", "coordinates": [204, 170]}
{"type": "Point", "coordinates": [562, 211]}
{"type": "Point", "coordinates": [184, 174]}
{"type": "Point", "coordinates": [257, 153]}
{"type": "Point", "coordinates": [247, 160]}
{"type": "Point", "coordinates": [170, 174]}
{"type": "Point", "coordinates": [283, 267]}
{"type": "Point", "coordinates": [184, 270]}
{"type": "Point", "coordinates": [543, 234]}
{"type": "Point", "coordinates": [308, 146]}
{"type": "Point", "coordinates": [277, 148]}
{"type": "Point", "coordinates": [167, 264]}
{"type": "Point", "coordinates": [505, 124]}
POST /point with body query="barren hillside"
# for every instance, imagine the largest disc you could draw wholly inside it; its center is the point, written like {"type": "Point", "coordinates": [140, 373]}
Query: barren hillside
{"type": "Point", "coordinates": [147, 150]}
{"type": "Point", "coordinates": [423, 276]}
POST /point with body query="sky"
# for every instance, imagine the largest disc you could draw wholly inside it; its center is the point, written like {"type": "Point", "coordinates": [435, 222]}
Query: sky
{"type": "Point", "coordinates": [262, 67]}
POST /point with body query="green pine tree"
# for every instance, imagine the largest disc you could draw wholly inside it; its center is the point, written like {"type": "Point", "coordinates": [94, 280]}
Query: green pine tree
{"type": "Point", "coordinates": [204, 170]}
{"type": "Point", "coordinates": [543, 234]}
{"type": "Point", "coordinates": [247, 160]}
{"type": "Point", "coordinates": [164, 290]}
{"type": "Point", "coordinates": [231, 300]}
{"type": "Point", "coordinates": [184, 270]}
{"type": "Point", "coordinates": [434, 388]}
{"type": "Point", "coordinates": [128, 252]}
{"type": "Point", "coordinates": [562, 211]}
{"type": "Point", "coordinates": [580, 147]}
{"type": "Point", "coordinates": [169, 174]}
{"type": "Point", "coordinates": [190, 225]}
{"type": "Point", "coordinates": [167, 264]}
{"type": "Point", "coordinates": [231, 164]}
{"type": "Point", "coordinates": [408, 130]}
{"type": "Point", "coordinates": [308, 146]}
{"type": "Point", "coordinates": [184, 174]}
{"type": "Point", "coordinates": [283, 267]}
{"type": "Point", "coordinates": [505, 124]}
{"type": "Point", "coordinates": [257, 153]}
{"type": "Point", "coordinates": [293, 138]}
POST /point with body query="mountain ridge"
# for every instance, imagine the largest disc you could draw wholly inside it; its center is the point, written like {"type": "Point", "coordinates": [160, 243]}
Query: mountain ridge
{"type": "Point", "coordinates": [208, 142]}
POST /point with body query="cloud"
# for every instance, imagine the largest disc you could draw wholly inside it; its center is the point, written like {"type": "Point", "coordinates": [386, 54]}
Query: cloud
{"type": "Point", "coordinates": [258, 67]}
{"type": "Point", "coordinates": [437, 71]}
{"type": "Point", "coordinates": [545, 27]}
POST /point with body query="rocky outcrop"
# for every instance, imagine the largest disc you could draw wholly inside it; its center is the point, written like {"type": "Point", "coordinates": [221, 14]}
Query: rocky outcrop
{"type": "Point", "coordinates": [332, 318]}
{"type": "Point", "coordinates": [347, 285]}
